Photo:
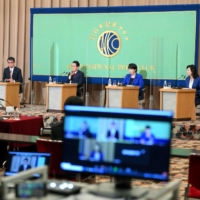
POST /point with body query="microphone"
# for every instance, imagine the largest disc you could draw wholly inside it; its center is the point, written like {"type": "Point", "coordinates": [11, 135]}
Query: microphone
{"type": "Point", "coordinates": [182, 76]}
{"type": "Point", "coordinates": [61, 75]}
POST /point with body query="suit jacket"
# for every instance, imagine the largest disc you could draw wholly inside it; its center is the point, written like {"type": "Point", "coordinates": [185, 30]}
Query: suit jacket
{"type": "Point", "coordinates": [16, 75]}
{"type": "Point", "coordinates": [195, 85]}
{"type": "Point", "coordinates": [116, 134]}
{"type": "Point", "coordinates": [138, 81]}
{"type": "Point", "coordinates": [78, 78]}
{"type": "Point", "coordinates": [21, 168]}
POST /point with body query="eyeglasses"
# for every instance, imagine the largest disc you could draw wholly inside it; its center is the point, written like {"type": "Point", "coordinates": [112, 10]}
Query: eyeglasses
{"type": "Point", "coordinates": [10, 62]}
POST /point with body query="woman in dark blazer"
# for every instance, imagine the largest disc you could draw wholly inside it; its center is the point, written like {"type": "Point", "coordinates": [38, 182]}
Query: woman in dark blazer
{"type": "Point", "coordinates": [133, 78]}
{"type": "Point", "coordinates": [193, 81]}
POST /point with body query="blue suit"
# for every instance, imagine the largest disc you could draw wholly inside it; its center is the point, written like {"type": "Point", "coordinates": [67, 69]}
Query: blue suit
{"type": "Point", "coordinates": [195, 85]}
{"type": "Point", "coordinates": [138, 81]}
{"type": "Point", "coordinates": [77, 78]}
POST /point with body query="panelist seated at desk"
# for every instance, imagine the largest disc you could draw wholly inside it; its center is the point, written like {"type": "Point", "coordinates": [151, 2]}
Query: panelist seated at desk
{"type": "Point", "coordinates": [76, 76]}
{"type": "Point", "coordinates": [193, 81]}
{"type": "Point", "coordinates": [12, 73]}
{"type": "Point", "coordinates": [133, 78]}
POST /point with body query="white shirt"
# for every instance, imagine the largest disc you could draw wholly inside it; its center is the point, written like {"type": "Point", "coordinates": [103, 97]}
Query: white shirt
{"type": "Point", "coordinates": [73, 73]}
{"type": "Point", "coordinates": [190, 84]}
{"type": "Point", "coordinates": [11, 70]}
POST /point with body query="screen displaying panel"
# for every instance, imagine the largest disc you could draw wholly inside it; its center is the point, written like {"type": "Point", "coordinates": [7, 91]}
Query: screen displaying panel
{"type": "Point", "coordinates": [120, 142]}
{"type": "Point", "coordinates": [21, 161]}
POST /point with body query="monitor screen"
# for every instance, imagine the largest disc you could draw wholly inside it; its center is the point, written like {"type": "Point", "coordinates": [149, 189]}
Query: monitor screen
{"type": "Point", "coordinates": [21, 161]}
{"type": "Point", "coordinates": [118, 142]}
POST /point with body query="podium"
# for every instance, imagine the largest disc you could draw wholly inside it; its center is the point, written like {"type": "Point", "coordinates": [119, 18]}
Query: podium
{"type": "Point", "coordinates": [180, 101]}
{"type": "Point", "coordinates": [57, 94]}
{"type": "Point", "coordinates": [9, 91]}
{"type": "Point", "coordinates": [122, 96]}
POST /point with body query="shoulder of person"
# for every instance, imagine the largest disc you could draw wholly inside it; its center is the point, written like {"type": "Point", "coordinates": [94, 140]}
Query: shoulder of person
{"type": "Point", "coordinates": [15, 67]}
{"type": "Point", "coordinates": [187, 78]}
{"type": "Point", "coordinates": [79, 71]}
{"type": "Point", "coordinates": [139, 75]}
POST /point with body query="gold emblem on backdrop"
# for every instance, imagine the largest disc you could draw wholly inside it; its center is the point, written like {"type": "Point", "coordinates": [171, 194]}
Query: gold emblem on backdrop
{"type": "Point", "coordinates": [109, 42]}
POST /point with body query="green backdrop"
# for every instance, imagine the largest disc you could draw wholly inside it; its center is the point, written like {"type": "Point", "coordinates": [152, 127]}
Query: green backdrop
{"type": "Point", "coordinates": [162, 44]}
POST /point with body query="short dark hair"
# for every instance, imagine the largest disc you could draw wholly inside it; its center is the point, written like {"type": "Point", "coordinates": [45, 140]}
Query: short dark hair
{"type": "Point", "coordinates": [26, 159]}
{"type": "Point", "coordinates": [132, 66]}
{"type": "Point", "coordinates": [77, 63]}
{"type": "Point", "coordinates": [74, 101]}
{"type": "Point", "coordinates": [147, 127]}
{"type": "Point", "coordinates": [193, 70]}
{"type": "Point", "coordinates": [11, 58]}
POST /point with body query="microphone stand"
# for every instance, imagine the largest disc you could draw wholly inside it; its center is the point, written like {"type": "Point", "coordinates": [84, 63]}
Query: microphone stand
{"type": "Point", "coordinates": [176, 87]}
{"type": "Point", "coordinates": [61, 75]}
{"type": "Point", "coordinates": [32, 92]}
{"type": "Point", "coordinates": [2, 106]}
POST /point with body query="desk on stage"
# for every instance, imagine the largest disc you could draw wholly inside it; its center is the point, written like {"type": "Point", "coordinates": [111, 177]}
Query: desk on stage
{"type": "Point", "coordinates": [10, 92]}
{"type": "Point", "coordinates": [122, 96]}
{"type": "Point", "coordinates": [180, 101]}
{"type": "Point", "coordinates": [57, 94]}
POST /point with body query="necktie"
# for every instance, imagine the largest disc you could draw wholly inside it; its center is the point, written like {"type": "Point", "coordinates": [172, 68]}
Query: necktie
{"type": "Point", "coordinates": [11, 73]}
{"type": "Point", "coordinates": [73, 75]}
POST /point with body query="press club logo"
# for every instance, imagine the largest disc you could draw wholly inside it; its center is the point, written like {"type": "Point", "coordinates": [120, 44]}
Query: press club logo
{"type": "Point", "coordinates": [109, 41]}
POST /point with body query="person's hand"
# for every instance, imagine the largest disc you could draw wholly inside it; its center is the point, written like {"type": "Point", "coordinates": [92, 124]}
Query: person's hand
{"type": "Point", "coordinates": [71, 73]}
{"type": "Point", "coordinates": [11, 80]}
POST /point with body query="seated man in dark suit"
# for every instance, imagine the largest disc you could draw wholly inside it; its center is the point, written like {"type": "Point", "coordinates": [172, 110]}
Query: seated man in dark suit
{"type": "Point", "coordinates": [76, 76]}
{"type": "Point", "coordinates": [57, 128]}
{"type": "Point", "coordinates": [12, 73]}
{"type": "Point", "coordinates": [24, 166]}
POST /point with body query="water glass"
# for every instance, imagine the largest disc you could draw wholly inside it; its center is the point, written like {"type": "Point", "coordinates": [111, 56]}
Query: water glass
{"type": "Point", "coordinates": [54, 80]}
{"type": "Point", "coordinates": [114, 83]}
{"type": "Point", "coordinates": [119, 83]}
{"type": "Point", "coordinates": [17, 116]}
{"type": "Point", "coordinates": [169, 85]}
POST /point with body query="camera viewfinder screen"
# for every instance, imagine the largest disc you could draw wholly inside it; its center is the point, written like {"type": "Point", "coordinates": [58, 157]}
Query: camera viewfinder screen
{"type": "Point", "coordinates": [117, 142]}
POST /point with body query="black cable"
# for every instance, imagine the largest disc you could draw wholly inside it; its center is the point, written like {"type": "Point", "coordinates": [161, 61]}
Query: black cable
{"type": "Point", "coordinates": [8, 103]}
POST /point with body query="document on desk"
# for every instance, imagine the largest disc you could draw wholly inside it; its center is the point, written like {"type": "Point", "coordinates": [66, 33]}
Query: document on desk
{"type": "Point", "coordinates": [88, 197]}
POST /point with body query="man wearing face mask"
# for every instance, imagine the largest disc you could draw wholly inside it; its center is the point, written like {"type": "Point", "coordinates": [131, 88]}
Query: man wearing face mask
{"type": "Point", "coordinates": [76, 76]}
{"type": "Point", "coordinates": [12, 73]}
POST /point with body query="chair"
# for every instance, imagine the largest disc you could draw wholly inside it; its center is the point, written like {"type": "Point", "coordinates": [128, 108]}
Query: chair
{"type": "Point", "coordinates": [22, 104]}
{"type": "Point", "coordinates": [193, 188]}
{"type": "Point", "coordinates": [197, 109]}
{"type": "Point", "coordinates": [142, 101]}
{"type": "Point", "coordinates": [55, 148]}
{"type": "Point", "coordinates": [48, 121]}
{"type": "Point", "coordinates": [81, 92]}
